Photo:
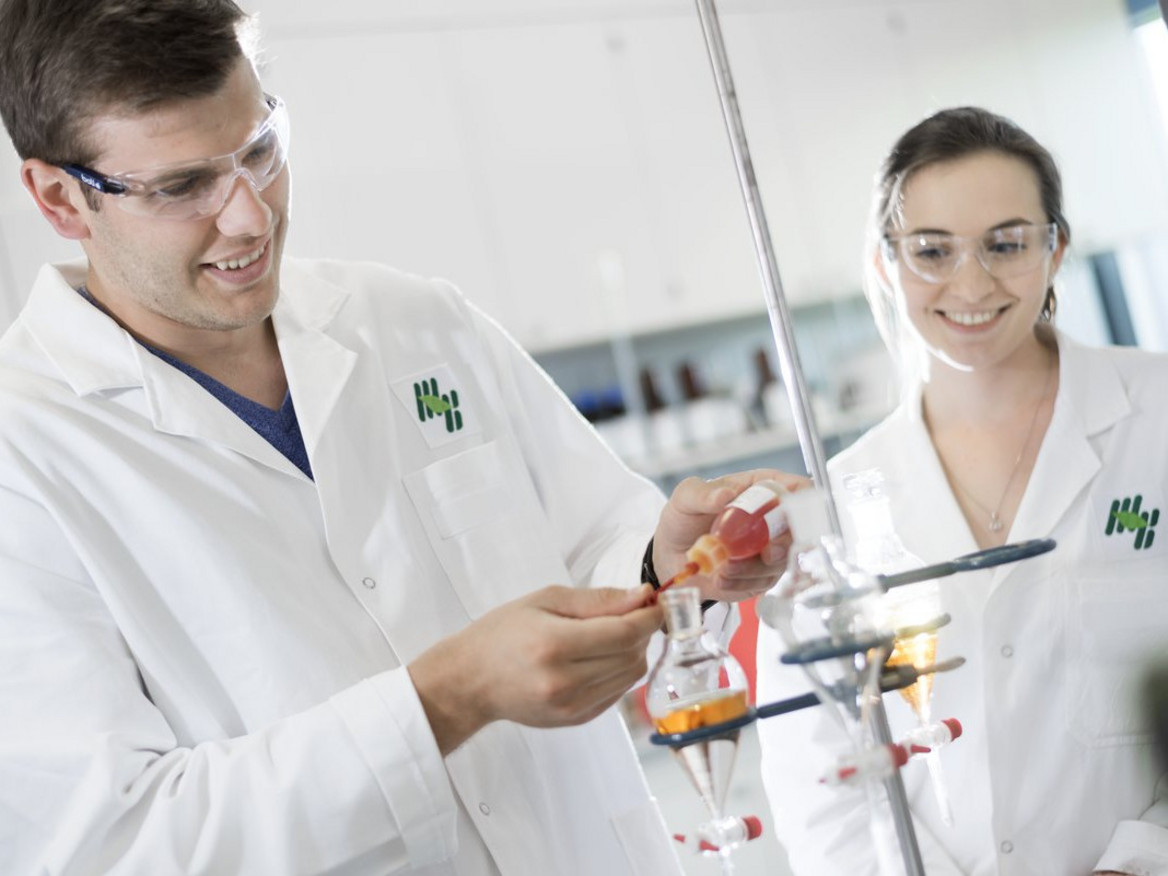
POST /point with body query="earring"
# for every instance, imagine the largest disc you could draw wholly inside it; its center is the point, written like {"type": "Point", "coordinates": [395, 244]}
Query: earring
{"type": "Point", "coordinates": [1049, 306]}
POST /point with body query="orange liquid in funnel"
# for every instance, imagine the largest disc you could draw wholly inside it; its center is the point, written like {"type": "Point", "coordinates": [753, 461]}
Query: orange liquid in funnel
{"type": "Point", "coordinates": [708, 763]}
{"type": "Point", "coordinates": [918, 651]}
{"type": "Point", "coordinates": [706, 713]}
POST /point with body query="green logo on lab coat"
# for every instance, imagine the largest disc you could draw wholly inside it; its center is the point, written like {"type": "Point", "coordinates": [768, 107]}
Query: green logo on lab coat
{"type": "Point", "coordinates": [432, 403]}
{"type": "Point", "coordinates": [1125, 516]}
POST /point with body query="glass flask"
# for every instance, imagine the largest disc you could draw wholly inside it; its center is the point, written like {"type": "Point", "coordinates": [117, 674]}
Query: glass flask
{"type": "Point", "coordinates": [829, 614]}
{"type": "Point", "coordinates": [694, 685]}
{"type": "Point", "coordinates": [878, 549]}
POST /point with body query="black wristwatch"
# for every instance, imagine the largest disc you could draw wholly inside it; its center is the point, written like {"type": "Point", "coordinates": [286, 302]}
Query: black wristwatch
{"type": "Point", "coordinates": [648, 573]}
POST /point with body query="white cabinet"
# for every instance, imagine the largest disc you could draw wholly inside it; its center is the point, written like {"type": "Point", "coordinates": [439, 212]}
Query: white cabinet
{"type": "Point", "coordinates": [567, 164]}
{"type": "Point", "coordinates": [565, 161]}
{"type": "Point", "coordinates": [378, 157]}
{"type": "Point", "coordinates": [558, 176]}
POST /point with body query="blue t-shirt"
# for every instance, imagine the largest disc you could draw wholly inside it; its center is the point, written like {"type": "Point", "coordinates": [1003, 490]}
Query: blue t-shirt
{"type": "Point", "coordinates": [279, 428]}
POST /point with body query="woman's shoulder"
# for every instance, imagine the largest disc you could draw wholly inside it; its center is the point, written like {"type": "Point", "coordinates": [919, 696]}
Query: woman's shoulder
{"type": "Point", "coordinates": [1128, 357]}
{"type": "Point", "coordinates": [1138, 370]}
{"type": "Point", "coordinates": [1109, 384]}
{"type": "Point", "coordinates": [875, 446]}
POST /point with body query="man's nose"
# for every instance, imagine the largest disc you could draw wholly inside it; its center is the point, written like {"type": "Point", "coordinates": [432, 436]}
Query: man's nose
{"type": "Point", "coordinates": [244, 212]}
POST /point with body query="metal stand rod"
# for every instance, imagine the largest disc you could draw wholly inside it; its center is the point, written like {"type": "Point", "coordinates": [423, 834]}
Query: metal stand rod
{"type": "Point", "coordinates": [783, 330]}
{"type": "Point", "coordinates": [781, 324]}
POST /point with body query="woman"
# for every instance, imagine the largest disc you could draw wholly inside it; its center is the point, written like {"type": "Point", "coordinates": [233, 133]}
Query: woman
{"type": "Point", "coordinates": [1007, 431]}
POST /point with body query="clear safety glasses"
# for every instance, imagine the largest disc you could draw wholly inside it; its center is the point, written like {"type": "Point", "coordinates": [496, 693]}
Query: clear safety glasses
{"type": "Point", "coordinates": [196, 189]}
{"type": "Point", "coordinates": [1003, 252]}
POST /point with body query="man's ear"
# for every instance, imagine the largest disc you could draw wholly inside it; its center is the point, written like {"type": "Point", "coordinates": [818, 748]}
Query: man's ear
{"type": "Point", "coordinates": [57, 197]}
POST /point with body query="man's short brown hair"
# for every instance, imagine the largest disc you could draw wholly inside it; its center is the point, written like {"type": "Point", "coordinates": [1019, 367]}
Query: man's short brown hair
{"type": "Point", "coordinates": [65, 62]}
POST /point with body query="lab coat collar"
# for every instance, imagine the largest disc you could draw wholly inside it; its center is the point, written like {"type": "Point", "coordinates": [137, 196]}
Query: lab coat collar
{"type": "Point", "coordinates": [1091, 399]}
{"type": "Point", "coordinates": [317, 365]}
{"type": "Point", "coordinates": [94, 354]}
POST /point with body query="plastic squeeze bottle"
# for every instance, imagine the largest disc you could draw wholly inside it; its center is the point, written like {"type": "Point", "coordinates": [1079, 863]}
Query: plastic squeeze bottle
{"type": "Point", "coordinates": [741, 531]}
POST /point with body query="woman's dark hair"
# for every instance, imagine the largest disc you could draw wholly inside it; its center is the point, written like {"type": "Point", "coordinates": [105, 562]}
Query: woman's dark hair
{"type": "Point", "coordinates": [947, 136]}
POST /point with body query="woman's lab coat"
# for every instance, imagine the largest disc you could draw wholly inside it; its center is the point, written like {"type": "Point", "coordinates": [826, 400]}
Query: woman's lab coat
{"type": "Point", "coordinates": [1055, 772]}
{"type": "Point", "coordinates": [202, 650]}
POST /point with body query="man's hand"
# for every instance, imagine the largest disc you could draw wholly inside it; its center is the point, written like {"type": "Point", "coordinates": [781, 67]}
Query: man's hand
{"type": "Point", "coordinates": [554, 658]}
{"type": "Point", "coordinates": [689, 514]}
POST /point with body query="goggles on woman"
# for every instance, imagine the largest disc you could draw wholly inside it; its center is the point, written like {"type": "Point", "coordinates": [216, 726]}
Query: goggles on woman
{"type": "Point", "coordinates": [1007, 252]}
{"type": "Point", "coordinates": [196, 189]}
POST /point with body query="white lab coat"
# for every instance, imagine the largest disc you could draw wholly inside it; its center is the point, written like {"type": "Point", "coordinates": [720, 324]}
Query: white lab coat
{"type": "Point", "coordinates": [1055, 769]}
{"type": "Point", "coordinates": [202, 650]}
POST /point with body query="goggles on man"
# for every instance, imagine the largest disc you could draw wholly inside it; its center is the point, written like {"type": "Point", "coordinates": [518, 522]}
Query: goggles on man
{"type": "Point", "coordinates": [1003, 252]}
{"type": "Point", "coordinates": [196, 189]}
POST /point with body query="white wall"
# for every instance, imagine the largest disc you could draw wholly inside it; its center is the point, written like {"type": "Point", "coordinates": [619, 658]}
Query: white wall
{"type": "Point", "coordinates": [542, 153]}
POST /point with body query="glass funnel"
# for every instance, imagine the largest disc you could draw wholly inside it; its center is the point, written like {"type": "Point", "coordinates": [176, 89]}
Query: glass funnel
{"type": "Point", "coordinates": [829, 615]}
{"type": "Point", "coordinates": [695, 684]}
{"type": "Point", "coordinates": [911, 610]}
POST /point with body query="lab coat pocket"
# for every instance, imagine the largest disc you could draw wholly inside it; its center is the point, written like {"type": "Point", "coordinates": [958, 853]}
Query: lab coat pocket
{"type": "Point", "coordinates": [1117, 626]}
{"type": "Point", "coordinates": [645, 840]}
{"type": "Point", "coordinates": [485, 526]}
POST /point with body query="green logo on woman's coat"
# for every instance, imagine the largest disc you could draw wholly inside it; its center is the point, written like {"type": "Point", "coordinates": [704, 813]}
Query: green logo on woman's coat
{"type": "Point", "coordinates": [1125, 516]}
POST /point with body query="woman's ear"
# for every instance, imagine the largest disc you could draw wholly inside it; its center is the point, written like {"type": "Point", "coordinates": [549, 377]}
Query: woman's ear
{"type": "Point", "coordinates": [57, 197]}
{"type": "Point", "coordinates": [880, 267]}
{"type": "Point", "coordinates": [1056, 258]}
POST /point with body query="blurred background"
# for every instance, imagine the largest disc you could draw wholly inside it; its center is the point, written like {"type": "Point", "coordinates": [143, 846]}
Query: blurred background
{"type": "Point", "coordinates": [565, 163]}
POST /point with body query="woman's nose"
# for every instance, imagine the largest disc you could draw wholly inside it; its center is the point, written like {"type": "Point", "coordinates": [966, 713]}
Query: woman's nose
{"type": "Point", "coordinates": [971, 280]}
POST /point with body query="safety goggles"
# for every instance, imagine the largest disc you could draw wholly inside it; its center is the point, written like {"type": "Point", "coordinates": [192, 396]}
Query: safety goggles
{"type": "Point", "coordinates": [196, 189]}
{"type": "Point", "coordinates": [1003, 252]}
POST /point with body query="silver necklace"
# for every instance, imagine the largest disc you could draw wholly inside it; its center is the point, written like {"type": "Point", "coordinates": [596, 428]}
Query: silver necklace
{"type": "Point", "coordinates": [996, 524]}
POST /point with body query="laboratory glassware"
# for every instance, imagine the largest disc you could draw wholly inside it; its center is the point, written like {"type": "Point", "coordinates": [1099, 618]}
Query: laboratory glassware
{"type": "Point", "coordinates": [912, 610]}
{"type": "Point", "coordinates": [741, 531]}
{"type": "Point", "coordinates": [792, 372]}
{"type": "Point", "coordinates": [694, 685]}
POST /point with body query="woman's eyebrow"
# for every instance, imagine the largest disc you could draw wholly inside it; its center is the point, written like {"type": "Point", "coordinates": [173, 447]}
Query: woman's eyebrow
{"type": "Point", "coordinates": [1009, 223]}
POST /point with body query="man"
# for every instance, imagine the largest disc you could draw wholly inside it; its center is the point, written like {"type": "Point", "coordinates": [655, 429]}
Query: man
{"type": "Point", "coordinates": [238, 636]}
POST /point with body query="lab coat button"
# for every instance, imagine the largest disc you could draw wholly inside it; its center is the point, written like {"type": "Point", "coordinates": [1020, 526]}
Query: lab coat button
{"type": "Point", "coordinates": [369, 583]}
{"type": "Point", "coordinates": [1007, 651]}
{"type": "Point", "coordinates": [485, 809]}
{"type": "Point", "coordinates": [1006, 847]}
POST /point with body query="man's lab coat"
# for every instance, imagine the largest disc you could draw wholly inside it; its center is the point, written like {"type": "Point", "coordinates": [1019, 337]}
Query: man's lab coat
{"type": "Point", "coordinates": [1055, 772]}
{"type": "Point", "coordinates": [202, 651]}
